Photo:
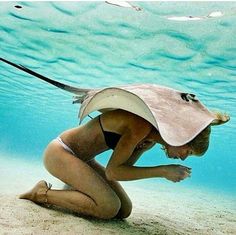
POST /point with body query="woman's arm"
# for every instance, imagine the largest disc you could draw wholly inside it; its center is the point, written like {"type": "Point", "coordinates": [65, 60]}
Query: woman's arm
{"type": "Point", "coordinates": [174, 173]}
{"type": "Point", "coordinates": [137, 153]}
{"type": "Point", "coordinates": [118, 169]}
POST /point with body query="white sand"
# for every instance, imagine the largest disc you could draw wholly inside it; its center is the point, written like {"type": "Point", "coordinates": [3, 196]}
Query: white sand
{"type": "Point", "coordinates": [158, 208]}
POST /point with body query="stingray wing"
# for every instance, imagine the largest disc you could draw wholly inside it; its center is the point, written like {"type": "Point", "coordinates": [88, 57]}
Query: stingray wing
{"type": "Point", "coordinates": [178, 116]}
{"type": "Point", "coordinates": [116, 98]}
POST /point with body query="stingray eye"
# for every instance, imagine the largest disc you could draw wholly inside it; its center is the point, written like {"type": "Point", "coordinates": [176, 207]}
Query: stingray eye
{"type": "Point", "coordinates": [192, 97]}
{"type": "Point", "coordinates": [187, 97]}
{"type": "Point", "coordinates": [184, 96]}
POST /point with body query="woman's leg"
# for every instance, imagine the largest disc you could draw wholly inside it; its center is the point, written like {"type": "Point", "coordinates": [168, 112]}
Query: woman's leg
{"type": "Point", "coordinates": [92, 195]}
{"type": "Point", "coordinates": [126, 204]}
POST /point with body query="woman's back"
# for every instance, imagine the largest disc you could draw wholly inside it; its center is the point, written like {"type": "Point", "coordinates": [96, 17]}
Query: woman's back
{"type": "Point", "coordinates": [102, 133]}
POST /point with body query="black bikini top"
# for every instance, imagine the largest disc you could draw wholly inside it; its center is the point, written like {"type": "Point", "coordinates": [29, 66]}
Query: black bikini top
{"type": "Point", "coordinates": [111, 138]}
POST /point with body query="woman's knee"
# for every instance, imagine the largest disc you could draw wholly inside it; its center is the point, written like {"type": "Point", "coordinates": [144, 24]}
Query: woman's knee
{"type": "Point", "coordinates": [114, 207]}
{"type": "Point", "coordinates": [109, 208]}
{"type": "Point", "coordinates": [125, 210]}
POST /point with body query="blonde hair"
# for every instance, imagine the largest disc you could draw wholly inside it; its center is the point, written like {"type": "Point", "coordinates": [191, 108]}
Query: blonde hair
{"type": "Point", "coordinates": [220, 118]}
{"type": "Point", "coordinates": [200, 143]}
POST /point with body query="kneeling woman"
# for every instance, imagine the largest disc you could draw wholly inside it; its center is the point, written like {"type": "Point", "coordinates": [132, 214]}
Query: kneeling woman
{"type": "Point", "coordinates": [95, 190]}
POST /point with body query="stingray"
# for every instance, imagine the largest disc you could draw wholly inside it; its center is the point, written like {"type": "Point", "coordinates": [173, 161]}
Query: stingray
{"type": "Point", "coordinates": [177, 115]}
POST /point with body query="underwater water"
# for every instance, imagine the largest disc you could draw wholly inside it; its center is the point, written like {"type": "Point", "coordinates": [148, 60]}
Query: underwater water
{"type": "Point", "coordinates": [94, 44]}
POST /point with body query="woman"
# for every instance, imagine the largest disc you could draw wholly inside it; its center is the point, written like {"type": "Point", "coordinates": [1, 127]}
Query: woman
{"type": "Point", "coordinates": [95, 190]}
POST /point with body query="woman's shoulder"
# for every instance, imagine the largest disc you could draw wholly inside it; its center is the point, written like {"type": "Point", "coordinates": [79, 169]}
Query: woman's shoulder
{"type": "Point", "coordinates": [124, 120]}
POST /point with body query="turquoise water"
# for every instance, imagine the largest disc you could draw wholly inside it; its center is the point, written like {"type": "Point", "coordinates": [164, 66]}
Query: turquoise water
{"type": "Point", "coordinates": [93, 44]}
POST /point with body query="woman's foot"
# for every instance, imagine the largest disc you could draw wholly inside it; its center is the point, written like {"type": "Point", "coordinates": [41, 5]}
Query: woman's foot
{"type": "Point", "coordinates": [38, 193]}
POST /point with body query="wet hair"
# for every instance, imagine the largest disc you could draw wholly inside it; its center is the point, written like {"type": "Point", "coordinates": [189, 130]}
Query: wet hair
{"type": "Point", "coordinates": [200, 143]}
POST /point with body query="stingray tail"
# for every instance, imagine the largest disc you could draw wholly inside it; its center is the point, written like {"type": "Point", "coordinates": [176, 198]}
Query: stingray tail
{"type": "Point", "coordinates": [80, 92]}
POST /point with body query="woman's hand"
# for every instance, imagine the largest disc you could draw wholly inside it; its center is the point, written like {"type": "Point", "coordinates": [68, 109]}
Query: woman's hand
{"type": "Point", "coordinates": [175, 172]}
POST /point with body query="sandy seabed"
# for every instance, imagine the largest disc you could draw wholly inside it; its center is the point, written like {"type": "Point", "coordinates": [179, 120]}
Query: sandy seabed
{"type": "Point", "coordinates": [158, 208]}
